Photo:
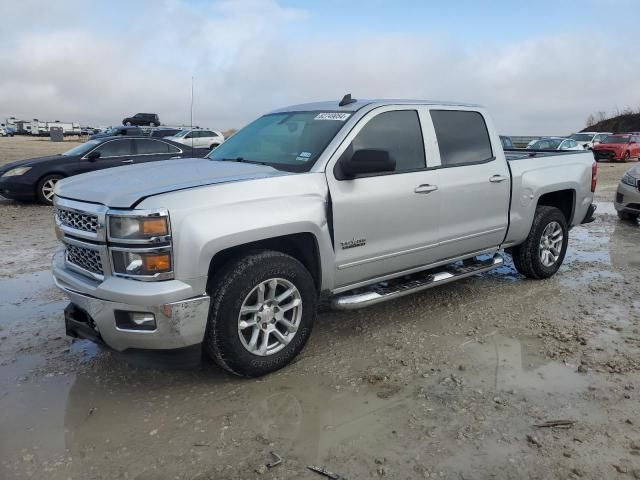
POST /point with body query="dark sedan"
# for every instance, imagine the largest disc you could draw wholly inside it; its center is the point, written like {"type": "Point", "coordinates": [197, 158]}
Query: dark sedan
{"type": "Point", "coordinates": [34, 179]}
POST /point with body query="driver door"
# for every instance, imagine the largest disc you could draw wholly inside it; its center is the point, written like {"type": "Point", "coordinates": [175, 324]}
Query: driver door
{"type": "Point", "coordinates": [386, 222]}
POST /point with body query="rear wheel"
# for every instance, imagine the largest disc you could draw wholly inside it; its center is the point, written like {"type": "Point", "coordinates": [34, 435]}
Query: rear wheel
{"type": "Point", "coordinates": [263, 306]}
{"type": "Point", "coordinates": [44, 189]}
{"type": "Point", "coordinates": [214, 145]}
{"type": "Point", "coordinates": [542, 253]}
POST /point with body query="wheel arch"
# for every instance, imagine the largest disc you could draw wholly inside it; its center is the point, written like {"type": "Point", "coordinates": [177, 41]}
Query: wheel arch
{"type": "Point", "coordinates": [47, 174]}
{"type": "Point", "coordinates": [563, 200]}
{"type": "Point", "coordinates": [303, 247]}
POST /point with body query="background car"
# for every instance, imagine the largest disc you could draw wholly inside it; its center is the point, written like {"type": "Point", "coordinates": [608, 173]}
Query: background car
{"type": "Point", "coordinates": [627, 201]}
{"type": "Point", "coordinates": [163, 132]}
{"type": "Point", "coordinates": [116, 131]}
{"type": "Point", "coordinates": [620, 147]}
{"type": "Point", "coordinates": [589, 139]}
{"type": "Point", "coordinates": [554, 143]}
{"type": "Point", "coordinates": [143, 119]}
{"type": "Point", "coordinates": [506, 141]}
{"type": "Point", "coordinates": [35, 179]}
{"type": "Point", "coordinates": [198, 138]}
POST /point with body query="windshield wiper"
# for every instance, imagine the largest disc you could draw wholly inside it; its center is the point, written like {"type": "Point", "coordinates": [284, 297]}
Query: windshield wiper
{"type": "Point", "coordinates": [243, 160]}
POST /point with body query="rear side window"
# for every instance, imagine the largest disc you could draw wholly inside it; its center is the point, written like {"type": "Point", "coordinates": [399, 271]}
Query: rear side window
{"type": "Point", "coordinates": [462, 137]}
{"type": "Point", "coordinates": [398, 133]}
{"type": "Point", "coordinates": [115, 148]}
{"type": "Point", "coordinates": [148, 147]}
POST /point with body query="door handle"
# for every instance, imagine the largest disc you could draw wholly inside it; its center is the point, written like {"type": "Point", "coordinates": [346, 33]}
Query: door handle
{"type": "Point", "coordinates": [426, 188]}
{"type": "Point", "coordinates": [127, 161]}
{"type": "Point", "coordinates": [497, 178]}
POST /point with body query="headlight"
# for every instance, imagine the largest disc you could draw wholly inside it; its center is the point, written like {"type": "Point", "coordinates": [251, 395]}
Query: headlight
{"type": "Point", "coordinates": [137, 228]}
{"type": "Point", "coordinates": [629, 179]}
{"type": "Point", "coordinates": [14, 172]}
{"type": "Point", "coordinates": [155, 263]}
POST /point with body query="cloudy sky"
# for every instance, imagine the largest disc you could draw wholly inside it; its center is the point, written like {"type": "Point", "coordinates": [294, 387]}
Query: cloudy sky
{"type": "Point", "coordinates": [541, 67]}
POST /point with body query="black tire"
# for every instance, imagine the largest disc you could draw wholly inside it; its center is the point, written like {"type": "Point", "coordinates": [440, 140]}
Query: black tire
{"type": "Point", "coordinates": [213, 145]}
{"type": "Point", "coordinates": [633, 217]}
{"type": "Point", "coordinates": [127, 124]}
{"type": "Point", "coordinates": [627, 156]}
{"type": "Point", "coordinates": [526, 256]}
{"type": "Point", "coordinates": [230, 287]}
{"type": "Point", "coordinates": [42, 195]}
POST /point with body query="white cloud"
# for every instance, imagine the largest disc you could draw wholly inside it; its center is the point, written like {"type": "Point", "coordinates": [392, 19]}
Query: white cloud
{"type": "Point", "coordinates": [247, 59]}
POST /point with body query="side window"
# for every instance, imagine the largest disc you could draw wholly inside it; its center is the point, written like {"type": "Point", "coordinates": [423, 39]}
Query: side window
{"type": "Point", "coordinates": [397, 132]}
{"type": "Point", "coordinates": [208, 133]}
{"type": "Point", "coordinates": [462, 137]}
{"type": "Point", "coordinates": [190, 135]}
{"type": "Point", "coordinates": [148, 147]}
{"type": "Point", "coordinates": [115, 148]}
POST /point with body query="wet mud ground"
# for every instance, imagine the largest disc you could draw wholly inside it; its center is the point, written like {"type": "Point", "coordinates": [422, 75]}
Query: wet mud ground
{"type": "Point", "coordinates": [449, 383]}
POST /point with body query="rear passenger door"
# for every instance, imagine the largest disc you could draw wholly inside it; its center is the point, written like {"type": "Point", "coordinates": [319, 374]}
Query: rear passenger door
{"type": "Point", "coordinates": [474, 183]}
{"type": "Point", "coordinates": [386, 222]}
{"type": "Point", "coordinates": [151, 150]}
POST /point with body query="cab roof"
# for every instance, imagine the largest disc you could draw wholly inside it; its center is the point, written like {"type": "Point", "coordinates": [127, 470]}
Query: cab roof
{"type": "Point", "coordinates": [334, 105]}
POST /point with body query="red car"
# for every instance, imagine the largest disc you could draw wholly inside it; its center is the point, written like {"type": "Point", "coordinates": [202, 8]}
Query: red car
{"type": "Point", "coordinates": [620, 147]}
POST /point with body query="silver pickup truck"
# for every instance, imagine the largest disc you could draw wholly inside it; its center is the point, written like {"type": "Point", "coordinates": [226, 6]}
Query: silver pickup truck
{"type": "Point", "coordinates": [355, 202]}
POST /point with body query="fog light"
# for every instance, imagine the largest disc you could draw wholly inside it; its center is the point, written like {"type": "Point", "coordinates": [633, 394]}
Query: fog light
{"type": "Point", "coordinates": [143, 318]}
{"type": "Point", "coordinates": [144, 321]}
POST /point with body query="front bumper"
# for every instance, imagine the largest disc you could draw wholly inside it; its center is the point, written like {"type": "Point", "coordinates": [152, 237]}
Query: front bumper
{"type": "Point", "coordinates": [17, 190]}
{"type": "Point", "coordinates": [179, 323]}
{"type": "Point", "coordinates": [608, 154]}
{"type": "Point", "coordinates": [627, 198]}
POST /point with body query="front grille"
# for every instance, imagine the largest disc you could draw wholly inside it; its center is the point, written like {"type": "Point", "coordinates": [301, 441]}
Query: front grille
{"type": "Point", "coordinates": [85, 258]}
{"type": "Point", "coordinates": [80, 221]}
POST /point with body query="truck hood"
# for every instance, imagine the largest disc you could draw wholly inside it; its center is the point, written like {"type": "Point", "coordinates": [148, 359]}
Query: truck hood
{"type": "Point", "coordinates": [123, 187]}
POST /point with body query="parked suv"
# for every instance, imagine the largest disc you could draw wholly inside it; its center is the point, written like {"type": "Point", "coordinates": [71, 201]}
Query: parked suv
{"type": "Point", "coordinates": [618, 148]}
{"type": "Point", "coordinates": [589, 139]}
{"type": "Point", "coordinates": [197, 138]}
{"type": "Point", "coordinates": [143, 119]}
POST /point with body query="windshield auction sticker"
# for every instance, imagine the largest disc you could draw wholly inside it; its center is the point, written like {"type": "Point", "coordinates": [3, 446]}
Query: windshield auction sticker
{"type": "Point", "coordinates": [341, 117]}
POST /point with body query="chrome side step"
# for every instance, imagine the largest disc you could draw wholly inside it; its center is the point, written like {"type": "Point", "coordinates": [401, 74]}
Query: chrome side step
{"type": "Point", "coordinates": [383, 292]}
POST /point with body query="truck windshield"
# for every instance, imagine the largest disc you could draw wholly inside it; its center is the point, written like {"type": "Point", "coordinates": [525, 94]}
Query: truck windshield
{"type": "Point", "coordinates": [290, 141]}
{"type": "Point", "coordinates": [613, 139]}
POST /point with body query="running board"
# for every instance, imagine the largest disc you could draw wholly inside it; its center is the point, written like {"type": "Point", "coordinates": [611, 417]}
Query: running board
{"type": "Point", "coordinates": [381, 293]}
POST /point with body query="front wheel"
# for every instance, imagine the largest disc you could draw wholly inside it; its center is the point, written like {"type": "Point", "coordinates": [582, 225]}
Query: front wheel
{"type": "Point", "coordinates": [44, 189]}
{"type": "Point", "coordinates": [263, 306]}
{"type": "Point", "coordinates": [627, 156]}
{"type": "Point", "coordinates": [543, 251]}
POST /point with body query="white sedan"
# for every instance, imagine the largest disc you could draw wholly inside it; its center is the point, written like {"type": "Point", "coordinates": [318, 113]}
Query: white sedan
{"type": "Point", "coordinates": [554, 143]}
{"type": "Point", "coordinates": [198, 138]}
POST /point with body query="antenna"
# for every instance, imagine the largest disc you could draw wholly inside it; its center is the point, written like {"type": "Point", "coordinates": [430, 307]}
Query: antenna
{"type": "Point", "coordinates": [191, 114]}
{"type": "Point", "coordinates": [191, 123]}
{"type": "Point", "coordinates": [346, 100]}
